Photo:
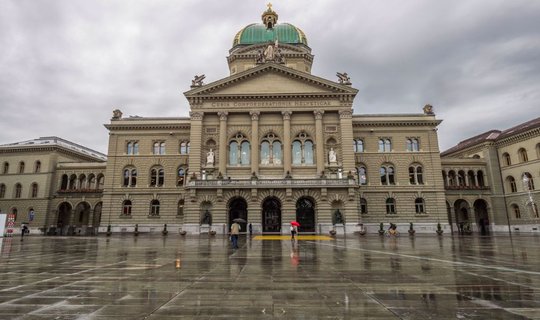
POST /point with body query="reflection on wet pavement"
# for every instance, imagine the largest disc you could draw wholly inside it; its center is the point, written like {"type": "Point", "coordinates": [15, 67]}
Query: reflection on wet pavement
{"type": "Point", "coordinates": [373, 277]}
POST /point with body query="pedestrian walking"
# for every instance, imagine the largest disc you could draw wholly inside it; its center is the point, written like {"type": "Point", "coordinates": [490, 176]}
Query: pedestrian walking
{"type": "Point", "coordinates": [250, 229]}
{"type": "Point", "coordinates": [235, 231]}
{"type": "Point", "coordinates": [24, 230]}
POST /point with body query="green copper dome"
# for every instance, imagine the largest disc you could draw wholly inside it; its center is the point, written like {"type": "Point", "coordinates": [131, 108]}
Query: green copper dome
{"type": "Point", "coordinates": [259, 33]}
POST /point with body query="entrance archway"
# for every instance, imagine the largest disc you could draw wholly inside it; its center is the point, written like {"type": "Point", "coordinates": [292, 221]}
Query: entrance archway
{"type": "Point", "coordinates": [64, 216]}
{"type": "Point", "coordinates": [462, 211]}
{"type": "Point", "coordinates": [305, 214]}
{"type": "Point", "coordinates": [271, 209]}
{"type": "Point", "coordinates": [238, 209]}
{"type": "Point", "coordinates": [481, 216]}
{"type": "Point", "coordinates": [82, 214]}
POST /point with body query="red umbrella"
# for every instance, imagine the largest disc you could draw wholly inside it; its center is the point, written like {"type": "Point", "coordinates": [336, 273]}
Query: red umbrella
{"type": "Point", "coordinates": [295, 223]}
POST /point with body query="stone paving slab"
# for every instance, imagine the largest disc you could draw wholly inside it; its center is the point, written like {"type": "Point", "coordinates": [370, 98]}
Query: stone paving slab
{"type": "Point", "coordinates": [372, 277]}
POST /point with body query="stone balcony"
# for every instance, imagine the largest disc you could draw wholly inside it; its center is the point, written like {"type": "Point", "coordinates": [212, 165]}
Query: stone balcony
{"type": "Point", "coordinates": [466, 187]}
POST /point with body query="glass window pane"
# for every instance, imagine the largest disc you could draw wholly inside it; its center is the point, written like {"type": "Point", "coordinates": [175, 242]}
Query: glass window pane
{"type": "Point", "coordinates": [276, 153]}
{"type": "Point", "coordinates": [297, 152]}
{"type": "Point", "coordinates": [265, 152]}
{"type": "Point", "coordinates": [233, 153]}
{"type": "Point", "coordinates": [308, 152]}
{"type": "Point", "coordinates": [245, 152]}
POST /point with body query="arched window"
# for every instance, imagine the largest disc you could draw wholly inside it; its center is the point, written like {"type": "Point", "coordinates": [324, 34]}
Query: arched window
{"type": "Point", "coordinates": [21, 167]}
{"type": "Point", "coordinates": [452, 181]}
{"type": "Point", "coordinates": [239, 150]}
{"type": "Point", "coordinates": [157, 177]}
{"type": "Point", "coordinates": [416, 174]}
{"type": "Point", "coordinates": [390, 206]}
{"type": "Point", "coordinates": [130, 177]}
{"type": "Point", "coordinates": [181, 177]}
{"type": "Point", "coordinates": [385, 145]}
{"type": "Point", "coordinates": [37, 167]}
{"type": "Point", "coordinates": [363, 206]}
{"type": "Point", "coordinates": [506, 159]}
{"type": "Point", "coordinates": [419, 205]}
{"type": "Point", "coordinates": [91, 181]}
{"type": "Point", "coordinates": [100, 181]}
{"type": "Point", "coordinates": [445, 178]}
{"type": "Point", "coordinates": [362, 175]}
{"type": "Point", "coordinates": [72, 182]}
{"type": "Point", "coordinates": [180, 211]}
{"type": "Point", "coordinates": [413, 144]}
{"type": "Point", "coordinates": [82, 181]}
{"type": "Point", "coordinates": [159, 147]}
{"type": "Point", "coordinates": [461, 178]}
{"type": "Point", "coordinates": [387, 175]}
{"type": "Point", "coordinates": [302, 149]}
{"type": "Point", "coordinates": [2, 191]}
{"type": "Point", "coordinates": [184, 147]}
{"type": "Point", "coordinates": [271, 152]}
{"type": "Point", "coordinates": [129, 148]}
{"type": "Point", "coordinates": [154, 208]}
{"type": "Point", "coordinates": [126, 208]}
{"type": "Point", "coordinates": [64, 183]}
{"type": "Point", "coordinates": [515, 210]}
{"type": "Point", "coordinates": [523, 155]}
{"type": "Point", "coordinates": [18, 190]}
{"type": "Point", "coordinates": [34, 193]}
{"type": "Point", "coordinates": [480, 178]}
{"type": "Point", "coordinates": [6, 168]}
{"type": "Point", "coordinates": [511, 184]}
{"type": "Point", "coordinates": [358, 145]}
{"type": "Point", "coordinates": [528, 182]}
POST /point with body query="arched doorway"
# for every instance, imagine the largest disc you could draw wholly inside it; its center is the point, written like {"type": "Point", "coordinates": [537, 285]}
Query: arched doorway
{"type": "Point", "coordinates": [82, 214]}
{"type": "Point", "coordinates": [96, 220]}
{"type": "Point", "coordinates": [462, 210]}
{"type": "Point", "coordinates": [305, 214]}
{"type": "Point", "coordinates": [271, 209]}
{"type": "Point", "coordinates": [64, 217]}
{"type": "Point", "coordinates": [449, 214]}
{"type": "Point", "coordinates": [238, 209]}
{"type": "Point", "coordinates": [481, 215]}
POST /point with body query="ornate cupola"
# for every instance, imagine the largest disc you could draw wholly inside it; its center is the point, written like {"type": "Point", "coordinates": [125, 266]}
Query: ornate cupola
{"type": "Point", "coordinates": [269, 17]}
{"type": "Point", "coordinates": [270, 42]}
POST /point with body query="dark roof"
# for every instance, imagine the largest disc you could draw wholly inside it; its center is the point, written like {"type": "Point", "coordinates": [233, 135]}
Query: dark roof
{"type": "Point", "coordinates": [494, 135]}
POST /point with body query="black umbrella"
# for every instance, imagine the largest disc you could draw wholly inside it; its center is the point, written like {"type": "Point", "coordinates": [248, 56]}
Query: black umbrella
{"type": "Point", "coordinates": [239, 220]}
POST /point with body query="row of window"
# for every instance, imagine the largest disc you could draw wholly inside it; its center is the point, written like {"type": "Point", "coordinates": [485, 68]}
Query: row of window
{"type": "Point", "coordinates": [158, 147]}
{"type": "Point", "coordinates": [531, 206]}
{"type": "Point", "coordinates": [18, 190]}
{"type": "Point", "coordinates": [419, 205]}
{"type": "Point", "coordinates": [527, 180]}
{"type": "Point", "coordinates": [21, 169]}
{"type": "Point", "coordinates": [463, 179]}
{"type": "Point", "coordinates": [387, 174]}
{"type": "Point", "coordinates": [157, 176]}
{"type": "Point", "coordinates": [82, 182]}
{"type": "Point", "coordinates": [385, 145]}
{"type": "Point", "coordinates": [522, 156]}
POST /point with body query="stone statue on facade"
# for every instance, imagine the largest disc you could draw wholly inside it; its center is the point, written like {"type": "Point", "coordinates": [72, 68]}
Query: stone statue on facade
{"type": "Point", "coordinates": [332, 157]}
{"type": "Point", "coordinates": [428, 109]}
{"type": "Point", "coordinates": [270, 51]}
{"type": "Point", "coordinates": [117, 114]}
{"type": "Point", "coordinates": [343, 78]}
{"type": "Point", "coordinates": [337, 218]}
{"type": "Point", "coordinates": [260, 57]}
{"type": "Point", "coordinates": [197, 81]}
{"type": "Point", "coordinates": [207, 218]}
{"type": "Point", "coordinates": [210, 157]}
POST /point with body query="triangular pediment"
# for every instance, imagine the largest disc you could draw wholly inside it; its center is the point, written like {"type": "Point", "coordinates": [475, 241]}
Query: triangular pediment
{"type": "Point", "coordinates": [271, 79]}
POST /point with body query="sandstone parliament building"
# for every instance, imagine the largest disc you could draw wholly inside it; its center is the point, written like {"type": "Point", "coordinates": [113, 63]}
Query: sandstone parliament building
{"type": "Point", "coordinates": [269, 144]}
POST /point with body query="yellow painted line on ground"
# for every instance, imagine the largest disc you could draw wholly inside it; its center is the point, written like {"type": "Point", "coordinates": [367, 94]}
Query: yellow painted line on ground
{"type": "Point", "coordinates": [307, 237]}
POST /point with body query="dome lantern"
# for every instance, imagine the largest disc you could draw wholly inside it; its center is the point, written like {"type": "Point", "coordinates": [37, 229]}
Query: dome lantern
{"type": "Point", "coordinates": [269, 17]}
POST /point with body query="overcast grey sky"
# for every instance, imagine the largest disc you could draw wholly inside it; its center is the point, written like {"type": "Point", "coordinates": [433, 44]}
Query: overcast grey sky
{"type": "Point", "coordinates": [65, 65]}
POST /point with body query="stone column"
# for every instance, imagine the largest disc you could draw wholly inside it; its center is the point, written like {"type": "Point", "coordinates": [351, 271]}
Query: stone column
{"type": "Point", "coordinates": [255, 141]}
{"type": "Point", "coordinates": [319, 143]}
{"type": "Point", "coordinates": [195, 140]}
{"type": "Point", "coordinates": [287, 146]}
{"type": "Point", "coordinates": [476, 178]}
{"type": "Point", "coordinates": [223, 142]}
{"type": "Point", "coordinates": [347, 152]}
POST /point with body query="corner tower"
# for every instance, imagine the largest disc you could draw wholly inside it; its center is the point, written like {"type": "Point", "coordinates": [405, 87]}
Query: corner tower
{"type": "Point", "coordinates": [270, 41]}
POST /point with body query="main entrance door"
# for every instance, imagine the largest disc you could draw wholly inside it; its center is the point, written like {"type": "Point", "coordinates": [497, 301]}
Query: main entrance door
{"type": "Point", "coordinates": [271, 215]}
{"type": "Point", "coordinates": [305, 215]}
{"type": "Point", "coordinates": [238, 209]}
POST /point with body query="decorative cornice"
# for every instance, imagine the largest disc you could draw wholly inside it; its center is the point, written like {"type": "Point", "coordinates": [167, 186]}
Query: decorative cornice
{"type": "Point", "coordinates": [345, 114]}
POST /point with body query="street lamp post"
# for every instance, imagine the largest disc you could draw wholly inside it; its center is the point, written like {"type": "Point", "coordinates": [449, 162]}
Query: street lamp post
{"type": "Point", "coordinates": [530, 201]}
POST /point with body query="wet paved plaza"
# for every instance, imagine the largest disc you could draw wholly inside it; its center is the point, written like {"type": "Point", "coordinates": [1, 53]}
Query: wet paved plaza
{"type": "Point", "coordinates": [353, 277]}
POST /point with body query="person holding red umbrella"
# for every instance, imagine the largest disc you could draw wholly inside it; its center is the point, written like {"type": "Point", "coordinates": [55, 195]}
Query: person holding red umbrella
{"type": "Point", "coordinates": [294, 229]}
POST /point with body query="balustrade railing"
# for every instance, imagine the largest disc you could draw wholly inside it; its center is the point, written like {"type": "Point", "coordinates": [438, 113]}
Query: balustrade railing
{"type": "Point", "coordinates": [271, 182]}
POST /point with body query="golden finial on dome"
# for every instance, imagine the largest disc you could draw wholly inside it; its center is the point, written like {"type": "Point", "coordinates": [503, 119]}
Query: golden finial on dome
{"type": "Point", "coordinates": [269, 17]}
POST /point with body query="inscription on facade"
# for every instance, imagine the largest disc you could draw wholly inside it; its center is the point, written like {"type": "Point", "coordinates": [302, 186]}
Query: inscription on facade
{"type": "Point", "coordinates": [271, 104]}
